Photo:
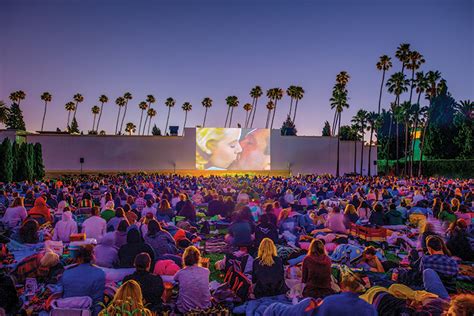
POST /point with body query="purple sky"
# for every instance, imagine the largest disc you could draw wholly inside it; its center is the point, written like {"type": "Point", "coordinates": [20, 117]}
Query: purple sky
{"type": "Point", "coordinates": [193, 49]}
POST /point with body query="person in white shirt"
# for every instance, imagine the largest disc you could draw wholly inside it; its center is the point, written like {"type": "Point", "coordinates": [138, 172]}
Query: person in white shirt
{"type": "Point", "coordinates": [65, 227]}
{"type": "Point", "coordinates": [149, 208]}
{"type": "Point", "coordinates": [95, 226]}
{"type": "Point", "coordinates": [15, 214]}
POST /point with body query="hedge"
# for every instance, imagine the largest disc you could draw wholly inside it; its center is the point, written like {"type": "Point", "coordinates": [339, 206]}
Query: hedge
{"type": "Point", "coordinates": [452, 168]}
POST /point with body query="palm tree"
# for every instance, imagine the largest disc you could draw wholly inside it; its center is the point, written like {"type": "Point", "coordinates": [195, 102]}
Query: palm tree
{"type": "Point", "coordinates": [130, 128]}
{"type": "Point", "coordinates": [102, 99]}
{"type": "Point", "coordinates": [151, 113]}
{"type": "Point", "coordinates": [291, 93]}
{"type": "Point", "coordinates": [150, 99]}
{"type": "Point", "coordinates": [360, 120]}
{"type": "Point", "coordinates": [406, 111]}
{"type": "Point", "coordinates": [339, 102]}
{"type": "Point", "coordinates": [14, 97]}
{"type": "Point", "coordinates": [120, 101]}
{"type": "Point", "coordinates": [255, 93]}
{"type": "Point", "coordinates": [424, 122]}
{"type": "Point", "coordinates": [247, 108]}
{"type": "Point", "coordinates": [232, 102]}
{"type": "Point", "coordinates": [46, 97]}
{"type": "Point", "coordinates": [17, 96]}
{"type": "Point", "coordinates": [397, 84]}
{"type": "Point", "coordinates": [78, 98]}
{"type": "Point", "coordinates": [170, 102]}
{"type": "Point", "coordinates": [355, 136]}
{"type": "Point", "coordinates": [270, 107]}
{"type": "Point", "coordinates": [95, 110]}
{"type": "Point", "coordinates": [415, 60]}
{"type": "Point", "coordinates": [299, 93]}
{"type": "Point", "coordinates": [432, 77]}
{"type": "Point", "coordinates": [342, 78]}
{"type": "Point", "coordinates": [3, 112]}
{"type": "Point", "coordinates": [372, 123]}
{"type": "Point", "coordinates": [384, 64]}
{"type": "Point", "coordinates": [186, 108]}
{"type": "Point", "coordinates": [206, 103]}
{"type": "Point", "coordinates": [402, 53]}
{"type": "Point", "coordinates": [142, 106]}
{"type": "Point", "coordinates": [70, 106]}
{"type": "Point", "coordinates": [127, 96]}
{"type": "Point", "coordinates": [274, 94]}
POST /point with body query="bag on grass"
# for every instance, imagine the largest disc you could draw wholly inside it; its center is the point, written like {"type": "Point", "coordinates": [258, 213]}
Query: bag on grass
{"type": "Point", "coordinates": [236, 279]}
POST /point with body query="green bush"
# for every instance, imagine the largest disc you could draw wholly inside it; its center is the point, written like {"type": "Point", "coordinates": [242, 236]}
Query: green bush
{"type": "Point", "coordinates": [452, 168]}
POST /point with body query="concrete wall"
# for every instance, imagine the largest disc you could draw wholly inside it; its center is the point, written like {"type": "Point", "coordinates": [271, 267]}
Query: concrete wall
{"type": "Point", "coordinates": [300, 154]}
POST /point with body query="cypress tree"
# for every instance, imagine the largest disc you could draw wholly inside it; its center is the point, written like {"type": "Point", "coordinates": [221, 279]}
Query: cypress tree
{"type": "Point", "coordinates": [15, 158]}
{"type": "Point", "coordinates": [74, 128]}
{"type": "Point", "coordinates": [15, 118]}
{"type": "Point", "coordinates": [6, 161]}
{"type": "Point", "coordinates": [38, 161]}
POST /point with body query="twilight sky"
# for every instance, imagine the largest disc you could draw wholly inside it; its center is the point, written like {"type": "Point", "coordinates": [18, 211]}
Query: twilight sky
{"type": "Point", "coordinates": [193, 49]}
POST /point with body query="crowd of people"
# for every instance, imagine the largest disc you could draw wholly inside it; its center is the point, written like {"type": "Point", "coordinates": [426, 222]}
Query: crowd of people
{"type": "Point", "coordinates": [301, 245]}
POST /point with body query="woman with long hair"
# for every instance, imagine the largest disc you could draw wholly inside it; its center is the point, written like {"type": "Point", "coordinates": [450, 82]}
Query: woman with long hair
{"type": "Point", "coordinates": [128, 299]}
{"type": "Point", "coordinates": [268, 272]}
{"type": "Point", "coordinates": [350, 215]}
{"type": "Point", "coordinates": [15, 214]}
{"type": "Point", "coordinates": [164, 212]}
{"type": "Point", "coordinates": [317, 271]}
{"type": "Point", "coordinates": [159, 239]}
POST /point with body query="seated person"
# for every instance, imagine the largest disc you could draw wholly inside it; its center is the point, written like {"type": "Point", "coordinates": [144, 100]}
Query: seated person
{"type": "Point", "coordinates": [128, 300]}
{"type": "Point", "coordinates": [335, 221]}
{"type": "Point", "coordinates": [393, 216]}
{"type": "Point", "coordinates": [160, 240]}
{"type": "Point", "coordinates": [29, 232]}
{"type": "Point", "coordinates": [105, 253]}
{"type": "Point", "coordinates": [65, 227]}
{"type": "Point", "coordinates": [377, 217]}
{"type": "Point", "coordinates": [132, 248]}
{"type": "Point", "coordinates": [369, 261]}
{"type": "Point", "coordinates": [15, 214]}
{"type": "Point", "coordinates": [85, 279]}
{"type": "Point", "coordinates": [43, 266]}
{"type": "Point", "coordinates": [193, 283]}
{"type": "Point", "coordinates": [458, 241]}
{"type": "Point", "coordinates": [240, 231]}
{"type": "Point", "coordinates": [265, 229]}
{"type": "Point", "coordinates": [95, 226]}
{"type": "Point", "coordinates": [268, 272]}
{"type": "Point", "coordinates": [151, 285]}
{"type": "Point", "coordinates": [317, 271]}
{"type": "Point", "coordinates": [40, 211]}
{"type": "Point", "coordinates": [245, 261]}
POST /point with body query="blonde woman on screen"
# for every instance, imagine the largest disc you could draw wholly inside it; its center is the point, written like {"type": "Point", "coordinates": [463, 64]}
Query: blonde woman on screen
{"type": "Point", "coordinates": [217, 148]}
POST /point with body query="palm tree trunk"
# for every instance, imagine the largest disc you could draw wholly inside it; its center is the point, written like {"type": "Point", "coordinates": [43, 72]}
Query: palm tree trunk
{"type": "Point", "coordinates": [144, 124]}
{"type": "Point", "coordinates": [93, 123]}
{"type": "Point", "coordinates": [369, 165]}
{"type": "Point", "coordinates": [124, 113]}
{"type": "Point", "coordinates": [254, 111]}
{"type": "Point", "coordinates": [44, 115]}
{"type": "Point", "coordinates": [422, 147]}
{"type": "Point", "coordinates": [338, 141]}
{"type": "Point", "coordinates": [75, 110]}
{"type": "Point", "coordinates": [68, 118]}
{"type": "Point", "coordinates": [231, 114]}
{"type": "Point", "coordinates": [100, 115]}
{"type": "Point", "coordinates": [274, 111]}
{"type": "Point", "coordinates": [411, 86]}
{"type": "Point", "coordinates": [291, 107]}
{"type": "Point", "coordinates": [407, 136]}
{"type": "Point", "coordinates": [118, 118]}
{"type": "Point", "coordinates": [140, 126]}
{"type": "Point", "coordinates": [355, 155]}
{"type": "Point", "coordinates": [397, 168]}
{"type": "Point", "coordinates": [185, 119]}
{"type": "Point", "coordinates": [414, 139]}
{"type": "Point", "coordinates": [296, 109]}
{"type": "Point", "coordinates": [205, 115]}
{"type": "Point", "coordinates": [268, 119]}
{"type": "Point", "coordinates": [246, 118]}
{"type": "Point", "coordinates": [334, 124]}
{"type": "Point", "coordinates": [362, 154]}
{"type": "Point", "coordinates": [167, 119]}
{"type": "Point", "coordinates": [388, 144]}
{"type": "Point", "coordinates": [227, 116]}
{"type": "Point", "coordinates": [149, 126]}
{"type": "Point", "coordinates": [380, 94]}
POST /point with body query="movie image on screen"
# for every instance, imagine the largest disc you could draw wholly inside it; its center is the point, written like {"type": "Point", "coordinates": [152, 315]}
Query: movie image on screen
{"type": "Point", "coordinates": [232, 149]}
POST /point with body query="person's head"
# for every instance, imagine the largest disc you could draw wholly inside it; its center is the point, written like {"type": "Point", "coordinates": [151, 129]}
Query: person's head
{"type": "Point", "coordinates": [458, 226]}
{"type": "Point", "coordinates": [445, 207]}
{"type": "Point", "coordinates": [67, 215]}
{"type": "Point", "coordinates": [49, 259]}
{"type": "Point", "coordinates": [133, 236]}
{"type": "Point", "coordinates": [149, 203]}
{"type": "Point", "coordinates": [29, 231]}
{"type": "Point", "coordinates": [378, 208]}
{"type": "Point", "coordinates": [284, 214]}
{"type": "Point", "coordinates": [335, 210]}
{"type": "Point", "coordinates": [392, 207]}
{"type": "Point", "coordinates": [436, 245]}
{"type": "Point", "coordinates": [276, 204]}
{"type": "Point", "coordinates": [119, 212]}
{"type": "Point", "coordinates": [245, 214]}
{"type": "Point", "coordinates": [369, 253]}
{"type": "Point", "coordinates": [350, 283]}
{"type": "Point", "coordinates": [455, 204]}
{"type": "Point", "coordinates": [153, 227]}
{"type": "Point", "coordinates": [85, 254]}
{"type": "Point", "coordinates": [130, 296]}
{"type": "Point", "coordinates": [122, 226]}
{"type": "Point", "coordinates": [264, 219]}
{"type": "Point", "coordinates": [165, 205]}
{"type": "Point", "coordinates": [142, 262]}
{"type": "Point", "coordinates": [350, 209]}
{"type": "Point", "coordinates": [461, 305]}
{"type": "Point", "coordinates": [95, 211]}
{"type": "Point", "coordinates": [266, 252]}
{"type": "Point", "coordinates": [269, 208]}
{"type": "Point", "coordinates": [191, 256]}
{"type": "Point", "coordinates": [18, 201]}
{"type": "Point", "coordinates": [217, 147]}
{"type": "Point", "coordinates": [255, 153]}
{"type": "Point", "coordinates": [316, 248]}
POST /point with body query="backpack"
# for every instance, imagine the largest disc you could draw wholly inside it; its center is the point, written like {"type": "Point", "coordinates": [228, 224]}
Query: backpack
{"type": "Point", "coordinates": [238, 282]}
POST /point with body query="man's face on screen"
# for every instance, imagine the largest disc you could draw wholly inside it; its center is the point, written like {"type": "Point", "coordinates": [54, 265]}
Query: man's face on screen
{"type": "Point", "coordinates": [254, 154]}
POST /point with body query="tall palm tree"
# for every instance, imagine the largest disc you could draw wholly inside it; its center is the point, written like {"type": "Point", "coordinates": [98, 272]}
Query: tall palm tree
{"type": "Point", "coordinates": [415, 60]}
{"type": "Point", "coordinates": [360, 120]}
{"type": "Point", "coordinates": [424, 122]}
{"type": "Point", "coordinates": [406, 110]}
{"type": "Point", "coordinates": [169, 103]}
{"type": "Point", "coordinates": [127, 96]}
{"type": "Point", "coordinates": [70, 106]}
{"type": "Point", "coordinates": [150, 99]}
{"type": "Point", "coordinates": [299, 94]}
{"type": "Point", "coordinates": [17, 96]}
{"type": "Point", "coordinates": [397, 84]}
{"type": "Point", "coordinates": [247, 108]}
{"type": "Point", "coordinates": [130, 128]}
{"type": "Point", "coordinates": [232, 102]}
{"type": "Point", "coordinates": [402, 53]}
{"type": "Point", "coordinates": [102, 99]}
{"type": "Point", "coordinates": [151, 113]}
{"type": "Point", "coordinates": [78, 98]}
{"type": "Point", "coordinates": [46, 97]}
{"type": "Point", "coordinates": [291, 93]}
{"type": "Point", "coordinates": [372, 123]}
{"type": "Point", "coordinates": [142, 106]}
{"type": "Point", "coordinates": [255, 93]}
{"type": "Point", "coordinates": [95, 110]}
{"type": "Point", "coordinates": [207, 104]}
{"type": "Point", "coordinates": [186, 108]}
{"type": "Point", "coordinates": [274, 94]}
{"type": "Point", "coordinates": [120, 101]}
{"type": "Point", "coordinates": [14, 96]}
{"type": "Point", "coordinates": [270, 107]}
{"type": "Point", "coordinates": [465, 108]}
{"type": "Point", "coordinates": [355, 136]}
{"type": "Point", "coordinates": [3, 112]}
{"type": "Point", "coordinates": [433, 78]}
{"type": "Point", "coordinates": [384, 64]}
{"type": "Point", "coordinates": [339, 102]}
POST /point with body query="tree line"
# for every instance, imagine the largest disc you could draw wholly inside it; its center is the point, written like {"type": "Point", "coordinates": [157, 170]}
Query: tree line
{"type": "Point", "coordinates": [20, 161]}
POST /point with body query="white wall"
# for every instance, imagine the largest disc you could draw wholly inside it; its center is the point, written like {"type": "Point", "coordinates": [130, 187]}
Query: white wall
{"type": "Point", "coordinates": [298, 154]}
